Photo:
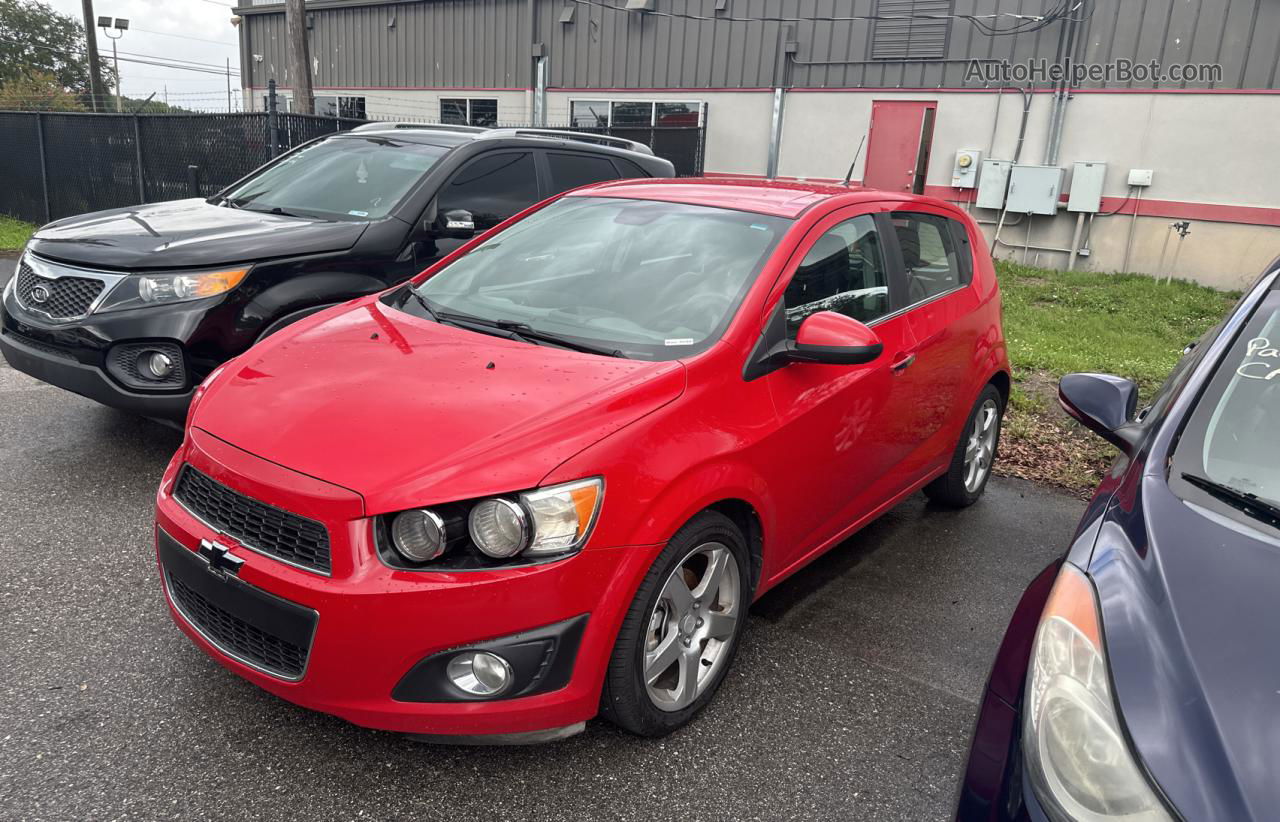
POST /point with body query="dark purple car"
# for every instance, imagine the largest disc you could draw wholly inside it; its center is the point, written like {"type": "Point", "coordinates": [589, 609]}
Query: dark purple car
{"type": "Point", "coordinates": [1139, 678]}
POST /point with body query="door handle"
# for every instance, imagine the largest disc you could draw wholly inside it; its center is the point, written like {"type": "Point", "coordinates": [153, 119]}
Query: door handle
{"type": "Point", "coordinates": [903, 363]}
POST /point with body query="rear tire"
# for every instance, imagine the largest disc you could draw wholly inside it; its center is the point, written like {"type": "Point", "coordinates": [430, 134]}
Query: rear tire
{"type": "Point", "coordinates": [681, 632]}
{"type": "Point", "coordinates": [970, 468]}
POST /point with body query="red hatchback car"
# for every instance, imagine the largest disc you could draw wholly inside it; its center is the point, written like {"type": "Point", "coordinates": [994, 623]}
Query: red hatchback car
{"type": "Point", "coordinates": [546, 478]}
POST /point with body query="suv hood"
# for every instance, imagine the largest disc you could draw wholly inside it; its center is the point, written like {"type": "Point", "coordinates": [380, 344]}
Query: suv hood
{"type": "Point", "coordinates": [186, 233]}
{"type": "Point", "coordinates": [407, 412]}
{"type": "Point", "coordinates": [1189, 608]}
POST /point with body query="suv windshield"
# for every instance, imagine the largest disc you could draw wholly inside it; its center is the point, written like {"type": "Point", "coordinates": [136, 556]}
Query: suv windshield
{"type": "Point", "coordinates": [647, 280]}
{"type": "Point", "coordinates": [345, 178]}
{"type": "Point", "coordinates": [1230, 449]}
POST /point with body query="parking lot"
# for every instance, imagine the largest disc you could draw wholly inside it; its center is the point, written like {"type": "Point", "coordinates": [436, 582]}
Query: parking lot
{"type": "Point", "coordinates": [852, 696]}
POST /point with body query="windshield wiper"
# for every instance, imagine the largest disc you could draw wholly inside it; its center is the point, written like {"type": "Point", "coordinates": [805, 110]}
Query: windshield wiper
{"type": "Point", "coordinates": [1249, 503]}
{"type": "Point", "coordinates": [525, 330]}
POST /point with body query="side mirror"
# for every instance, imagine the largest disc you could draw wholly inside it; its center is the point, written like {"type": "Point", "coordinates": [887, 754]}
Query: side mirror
{"type": "Point", "coordinates": [456, 224]}
{"type": "Point", "coordinates": [1104, 404]}
{"type": "Point", "coordinates": [834, 339]}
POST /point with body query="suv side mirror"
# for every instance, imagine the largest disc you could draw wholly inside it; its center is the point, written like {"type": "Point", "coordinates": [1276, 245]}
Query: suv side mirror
{"type": "Point", "coordinates": [834, 339]}
{"type": "Point", "coordinates": [455, 224]}
{"type": "Point", "coordinates": [1104, 404]}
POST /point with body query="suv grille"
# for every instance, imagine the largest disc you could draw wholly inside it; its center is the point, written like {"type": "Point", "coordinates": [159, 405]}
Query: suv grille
{"type": "Point", "coordinates": [66, 298]}
{"type": "Point", "coordinates": [256, 525]}
{"type": "Point", "coordinates": [237, 636]}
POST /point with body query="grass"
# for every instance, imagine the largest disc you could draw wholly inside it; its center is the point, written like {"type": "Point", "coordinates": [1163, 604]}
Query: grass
{"type": "Point", "coordinates": [14, 233]}
{"type": "Point", "coordinates": [1056, 322]}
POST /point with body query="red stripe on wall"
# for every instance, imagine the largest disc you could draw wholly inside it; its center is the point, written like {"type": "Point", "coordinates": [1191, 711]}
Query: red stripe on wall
{"type": "Point", "coordinates": [1173, 209]}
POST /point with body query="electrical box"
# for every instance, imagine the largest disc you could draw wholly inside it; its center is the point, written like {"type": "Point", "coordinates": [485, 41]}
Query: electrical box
{"type": "Point", "coordinates": [964, 174]}
{"type": "Point", "coordinates": [1034, 190]}
{"type": "Point", "coordinates": [1086, 187]}
{"type": "Point", "coordinates": [1140, 176]}
{"type": "Point", "coordinates": [992, 183]}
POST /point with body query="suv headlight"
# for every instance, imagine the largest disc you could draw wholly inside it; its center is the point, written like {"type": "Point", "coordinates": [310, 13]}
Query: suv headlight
{"type": "Point", "coordinates": [1077, 758]}
{"type": "Point", "coordinates": [545, 522]}
{"type": "Point", "coordinates": [139, 290]}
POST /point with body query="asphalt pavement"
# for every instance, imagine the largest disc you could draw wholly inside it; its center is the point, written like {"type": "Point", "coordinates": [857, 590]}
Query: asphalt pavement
{"type": "Point", "coordinates": [852, 697]}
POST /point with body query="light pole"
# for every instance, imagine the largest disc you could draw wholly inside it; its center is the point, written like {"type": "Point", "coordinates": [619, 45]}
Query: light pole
{"type": "Point", "coordinates": [120, 25]}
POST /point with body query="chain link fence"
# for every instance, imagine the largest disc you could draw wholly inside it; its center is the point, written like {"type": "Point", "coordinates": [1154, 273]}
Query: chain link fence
{"type": "Point", "coordinates": [57, 165]}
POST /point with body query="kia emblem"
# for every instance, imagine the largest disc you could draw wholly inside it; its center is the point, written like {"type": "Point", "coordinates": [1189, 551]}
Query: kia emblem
{"type": "Point", "coordinates": [40, 294]}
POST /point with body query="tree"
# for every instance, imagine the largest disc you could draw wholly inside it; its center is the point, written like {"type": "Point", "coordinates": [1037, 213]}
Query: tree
{"type": "Point", "coordinates": [37, 41]}
{"type": "Point", "coordinates": [38, 92]}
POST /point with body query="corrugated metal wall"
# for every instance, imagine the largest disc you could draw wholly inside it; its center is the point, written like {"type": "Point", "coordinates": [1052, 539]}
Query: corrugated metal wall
{"type": "Point", "coordinates": [486, 43]}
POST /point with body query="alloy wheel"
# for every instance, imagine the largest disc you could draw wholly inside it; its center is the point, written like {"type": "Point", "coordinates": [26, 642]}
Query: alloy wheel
{"type": "Point", "coordinates": [980, 449]}
{"type": "Point", "coordinates": [691, 628]}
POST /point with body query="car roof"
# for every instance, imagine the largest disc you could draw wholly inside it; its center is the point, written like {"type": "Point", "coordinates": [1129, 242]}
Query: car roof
{"type": "Point", "coordinates": [450, 135]}
{"type": "Point", "coordinates": [778, 198]}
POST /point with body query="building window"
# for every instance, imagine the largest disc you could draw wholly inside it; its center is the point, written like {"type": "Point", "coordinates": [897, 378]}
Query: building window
{"type": "Point", "coordinates": [348, 107]}
{"type": "Point", "coordinates": [914, 37]}
{"type": "Point", "coordinates": [283, 103]}
{"type": "Point", "coordinates": [459, 111]}
{"type": "Point", "coordinates": [634, 113]}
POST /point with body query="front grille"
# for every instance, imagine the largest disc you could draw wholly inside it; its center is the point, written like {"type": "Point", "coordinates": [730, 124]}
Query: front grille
{"type": "Point", "coordinates": [256, 525]}
{"type": "Point", "coordinates": [236, 636]}
{"type": "Point", "coordinates": [64, 298]}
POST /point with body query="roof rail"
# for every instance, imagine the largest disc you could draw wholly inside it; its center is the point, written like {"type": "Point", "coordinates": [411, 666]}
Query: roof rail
{"type": "Point", "coordinates": [576, 136]}
{"type": "Point", "coordinates": [381, 125]}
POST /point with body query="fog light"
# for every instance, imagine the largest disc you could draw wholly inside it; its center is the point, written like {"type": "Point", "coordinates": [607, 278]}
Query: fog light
{"type": "Point", "coordinates": [418, 535]}
{"type": "Point", "coordinates": [159, 364]}
{"type": "Point", "coordinates": [498, 528]}
{"type": "Point", "coordinates": [479, 673]}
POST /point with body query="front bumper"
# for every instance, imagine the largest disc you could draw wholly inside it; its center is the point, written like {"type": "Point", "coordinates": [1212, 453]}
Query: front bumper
{"type": "Point", "coordinates": [374, 624]}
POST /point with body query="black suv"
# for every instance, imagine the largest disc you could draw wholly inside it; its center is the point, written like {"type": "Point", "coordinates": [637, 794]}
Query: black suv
{"type": "Point", "coordinates": [134, 307]}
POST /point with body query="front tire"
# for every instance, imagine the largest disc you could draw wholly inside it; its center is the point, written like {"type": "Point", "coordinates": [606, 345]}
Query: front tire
{"type": "Point", "coordinates": [970, 468]}
{"type": "Point", "coordinates": [681, 632]}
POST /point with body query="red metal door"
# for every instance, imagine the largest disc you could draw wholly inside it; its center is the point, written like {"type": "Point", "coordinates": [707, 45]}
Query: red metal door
{"type": "Point", "coordinates": [898, 147]}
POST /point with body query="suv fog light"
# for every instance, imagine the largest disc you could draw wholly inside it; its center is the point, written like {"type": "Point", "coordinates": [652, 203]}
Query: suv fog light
{"type": "Point", "coordinates": [159, 365]}
{"type": "Point", "coordinates": [499, 527]}
{"type": "Point", "coordinates": [479, 673]}
{"type": "Point", "coordinates": [418, 535]}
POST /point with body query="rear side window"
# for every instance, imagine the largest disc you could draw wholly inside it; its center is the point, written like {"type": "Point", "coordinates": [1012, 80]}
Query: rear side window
{"type": "Point", "coordinates": [628, 169]}
{"type": "Point", "coordinates": [929, 257]}
{"type": "Point", "coordinates": [573, 170]}
{"type": "Point", "coordinates": [492, 187]}
{"type": "Point", "coordinates": [844, 272]}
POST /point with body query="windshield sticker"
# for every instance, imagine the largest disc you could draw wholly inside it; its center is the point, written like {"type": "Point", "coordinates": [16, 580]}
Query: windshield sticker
{"type": "Point", "coordinates": [358, 213]}
{"type": "Point", "coordinates": [680, 341]}
{"type": "Point", "coordinates": [1266, 366]}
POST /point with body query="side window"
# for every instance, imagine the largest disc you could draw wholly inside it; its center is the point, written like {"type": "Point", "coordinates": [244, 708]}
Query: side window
{"type": "Point", "coordinates": [929, 257]}
{"type": "Point", "coordinates": [628, 169]}
{"type": "Point", "coordinates": [492, 187]}
{"type": "Point", "coordinates": [573, 170]}
{"type": "Point", "coordinates": [843, 272]}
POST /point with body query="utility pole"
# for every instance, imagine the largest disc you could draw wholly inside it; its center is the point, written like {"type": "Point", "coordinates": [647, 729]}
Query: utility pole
{"type": "Point", "coordinates": [119, 26]}
{"type": "Point", "coordinates": [295, 16]}
{"type": "Point", "coordinates": [91, 49]}
{"type": "Point", "coordinates": [228, 85]}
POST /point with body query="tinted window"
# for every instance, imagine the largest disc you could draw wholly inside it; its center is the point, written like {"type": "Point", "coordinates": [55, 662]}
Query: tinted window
{"type": "Point", "coordinates": [628, 169]}
{"type": "Point", "coordinates": [492, 188]}
{"type": "Point", "coordinates": [928, 255]}
{"type": "Point", "coordinates": [573, 170]}
{"type": "Point", "coordinates": [843, 272]}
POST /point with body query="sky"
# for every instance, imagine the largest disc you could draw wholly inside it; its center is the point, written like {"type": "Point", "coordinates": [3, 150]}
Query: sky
{"type": "Point", "coordinates": [174, 30]}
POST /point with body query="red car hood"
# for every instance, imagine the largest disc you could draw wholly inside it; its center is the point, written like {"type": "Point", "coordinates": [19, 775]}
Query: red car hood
{"type": "Point", "coordinates": [409, 412]}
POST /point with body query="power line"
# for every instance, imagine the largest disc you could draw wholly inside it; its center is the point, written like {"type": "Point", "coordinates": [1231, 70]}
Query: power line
{"type": "Point", "coordinates": [163, 62]}
{"type": "Point", "coordinates": [185, 37]}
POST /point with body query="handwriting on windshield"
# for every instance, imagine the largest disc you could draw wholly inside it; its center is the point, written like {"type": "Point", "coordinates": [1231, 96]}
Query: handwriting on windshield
{"type": "Point", "coordinates": [1262, 360]}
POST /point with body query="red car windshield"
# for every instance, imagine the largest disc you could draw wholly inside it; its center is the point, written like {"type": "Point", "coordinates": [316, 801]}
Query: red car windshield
{"type": "Point", "coordinates": [653, 280]}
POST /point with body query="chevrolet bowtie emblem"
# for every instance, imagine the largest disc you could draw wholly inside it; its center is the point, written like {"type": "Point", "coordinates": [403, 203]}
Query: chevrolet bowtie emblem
{"type": "Point", "coordinates": [221, 561]}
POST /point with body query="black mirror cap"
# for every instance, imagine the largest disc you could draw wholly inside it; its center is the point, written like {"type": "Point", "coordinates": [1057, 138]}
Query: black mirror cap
{"type": "Point", "coordinates": [1104, 404]}
{"type": "Point", "coordinates": [456, 224]}
{"type": "Point", "coordinates": [834, 354]}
